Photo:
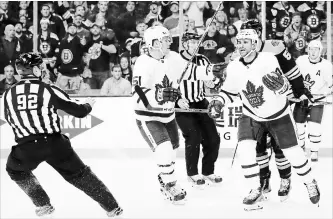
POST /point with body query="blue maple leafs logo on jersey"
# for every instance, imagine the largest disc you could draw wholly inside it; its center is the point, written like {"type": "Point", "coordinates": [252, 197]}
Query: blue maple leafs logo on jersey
{"type": "Point", "coordinates": [254, 95]}
{"type": "Point", "coordinates": [308, 83]}
{"type": "Point", "coordinates": [165, 83]}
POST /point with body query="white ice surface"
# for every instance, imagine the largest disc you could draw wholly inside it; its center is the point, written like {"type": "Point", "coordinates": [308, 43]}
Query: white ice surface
{"type": "Point", "coordinates": [134, 184]}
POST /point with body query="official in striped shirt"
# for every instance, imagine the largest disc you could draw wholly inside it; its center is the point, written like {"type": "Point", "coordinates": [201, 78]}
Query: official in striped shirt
{"type": "Point", "coordinates": [197, 128]}
{"type": "Point", "coordinates": [30, 108]}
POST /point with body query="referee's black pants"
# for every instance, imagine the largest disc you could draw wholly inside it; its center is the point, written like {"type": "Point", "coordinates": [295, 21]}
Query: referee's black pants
{"type": "Point", "coordinates": [199, 128]}
{"type": "Point", "coordinates": [57, 151]}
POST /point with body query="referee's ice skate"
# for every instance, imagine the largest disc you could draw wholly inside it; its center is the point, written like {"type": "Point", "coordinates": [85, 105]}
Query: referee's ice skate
{"type": "Point", "coordinates": [197, 181]}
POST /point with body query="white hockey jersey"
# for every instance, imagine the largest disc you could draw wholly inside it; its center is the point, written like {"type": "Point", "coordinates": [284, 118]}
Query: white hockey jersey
{"type": "Point", "coordinates": [259, 102]}
{"type": "Point", "coordinates": [317, 76]}
{"type": "Point", "coordinates": [279, 49]}
{"type": "Point", "coordinates": [151, 75]}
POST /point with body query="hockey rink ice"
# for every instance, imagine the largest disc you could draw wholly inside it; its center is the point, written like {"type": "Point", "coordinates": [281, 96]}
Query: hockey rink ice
{"type": "Point", "coordinates": [133, 182]}
{"type": "Point", "coordinates": [121, 159]}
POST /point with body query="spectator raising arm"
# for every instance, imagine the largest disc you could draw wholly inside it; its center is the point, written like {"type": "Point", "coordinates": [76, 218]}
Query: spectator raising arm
{"type": "Point", "coordinates": [109, 48]}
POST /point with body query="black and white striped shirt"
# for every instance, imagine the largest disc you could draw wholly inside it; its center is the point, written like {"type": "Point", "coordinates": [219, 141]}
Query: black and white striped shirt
{"type": "Point", "coordinates": [30, 108]}
{"type": "Point", "coordinates": [194, 91]}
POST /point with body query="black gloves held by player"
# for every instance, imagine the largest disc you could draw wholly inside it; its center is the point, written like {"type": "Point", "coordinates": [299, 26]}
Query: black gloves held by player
{"type": "Point", "coordinates": [215, 108]}
{"type": "Point", "coordinates": [276, 82]}
{"type": "Point", "coordinates": [307, 99]}
{"type": "Point", "coordinates": [168, 94]}
{"type": "Point", "coordinates": [218, 70]}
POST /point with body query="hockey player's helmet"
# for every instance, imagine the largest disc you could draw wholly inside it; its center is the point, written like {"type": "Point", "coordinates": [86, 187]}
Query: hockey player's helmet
{"type": "Point", "coordinates": [253, 24]}
{"type": "Point", "coordinates": [156, 33]}
{"type": "Point", "coordinates": [190, 36]}
{"type": "Point", "coordinates": [29, 64]}
{"type": "Point", "coordinates": [248, 34]}
{"type": "Point", "coordinates": [315, 44]}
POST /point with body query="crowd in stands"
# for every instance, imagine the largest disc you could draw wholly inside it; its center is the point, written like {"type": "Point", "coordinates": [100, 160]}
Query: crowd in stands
{"type": "Point", "coordinates": [92, 46]}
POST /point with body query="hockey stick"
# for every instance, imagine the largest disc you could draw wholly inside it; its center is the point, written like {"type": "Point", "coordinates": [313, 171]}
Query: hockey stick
{"type": "Point", "coordinates": [233, 158]}
{"type": "Point", "coordinates": [200, 41]}
{"type": "Point", "coordinates": [191, 110]}
{"type": "Point", "coordinates": [178, 110]}
{"type": "Point", "coordinates": [322, 95]}
{"type": "Point", "coordinates": [296, 100]}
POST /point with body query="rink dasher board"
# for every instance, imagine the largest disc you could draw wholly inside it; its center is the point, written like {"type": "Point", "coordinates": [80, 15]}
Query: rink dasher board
{"type": "Point", "coordinates": [111, 129]}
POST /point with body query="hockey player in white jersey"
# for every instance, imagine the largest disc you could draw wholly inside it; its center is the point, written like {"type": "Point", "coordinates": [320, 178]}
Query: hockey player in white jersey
{"type": "Point", "coordinates": [155, 90]}
{"type": "Point", "coordinates": [317, 73]}
{"type": "Point", "coordinates": [267, 144]}
{"type": "Point", "coordinates": [258, 80]}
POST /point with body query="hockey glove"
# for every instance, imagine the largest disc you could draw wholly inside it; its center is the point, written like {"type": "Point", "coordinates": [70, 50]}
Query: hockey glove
{"type": "Point", "coordinates": [276, 82]}
{"type": "Point", "coordinates": [215, 84]}
{"type": "Point", "coordinates": [307, 99]}
{"type": "Point", "coordinates": [168, 94]}
{"type": "Point", "coordinates": [183, 103]}
{"type": "Point", "coordinates": [215, 108]}
{"type": "Point", "coordinates": [218, 70]}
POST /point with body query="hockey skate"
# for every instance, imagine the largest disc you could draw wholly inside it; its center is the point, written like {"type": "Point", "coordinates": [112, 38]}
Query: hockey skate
{"type": "Point", "coordinates": [212, 179]}
{"type": "Point", "coordinates": [197, 181]}
{"type": "Point", "coordinates": [45, 211]}
{"type": "Point", "coordinates": [252, 201]}
{"type": "Point", "coordinates": [174, 193]}
{"type": "Point", "coordinates": [265, 187]}
{"type": "Point", "coordinates": [314, 156]}
{"type": "Point", "coordinates": [115, 212]}
{"type": "Point", "coordinates": [314, 193]}
{"type": "Point", "coordinates": [284, 190]}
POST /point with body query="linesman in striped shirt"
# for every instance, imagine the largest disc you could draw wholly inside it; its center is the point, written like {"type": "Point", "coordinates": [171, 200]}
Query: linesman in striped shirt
{"type": "Point", "coordinates": [197, 128]}
{"type": "Point", "coordinates": [30, 108]}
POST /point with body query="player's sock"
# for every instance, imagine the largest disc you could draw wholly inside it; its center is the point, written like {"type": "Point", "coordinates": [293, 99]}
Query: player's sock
{"type": "Point", "coordinates": [315, 140]}
{"type": "Point", "coordinates": [302, 166]}
{"type": "Point", "coordinates": [89, 183]}
{"type": "Point", "coordinates": [265, 174]}
{"type": "Point", "coordinates": [251, 173]}
{"type": "Point", "coordinates": [298, 160]}
{"type": "Point", "coordinates": [166, 173]}
{"type": "Point", "coordinates": [263, 161]}
{"type": "Point", "coordinates": [283, 166]}
{"type": "Point", "coordinates": [301, 134]}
